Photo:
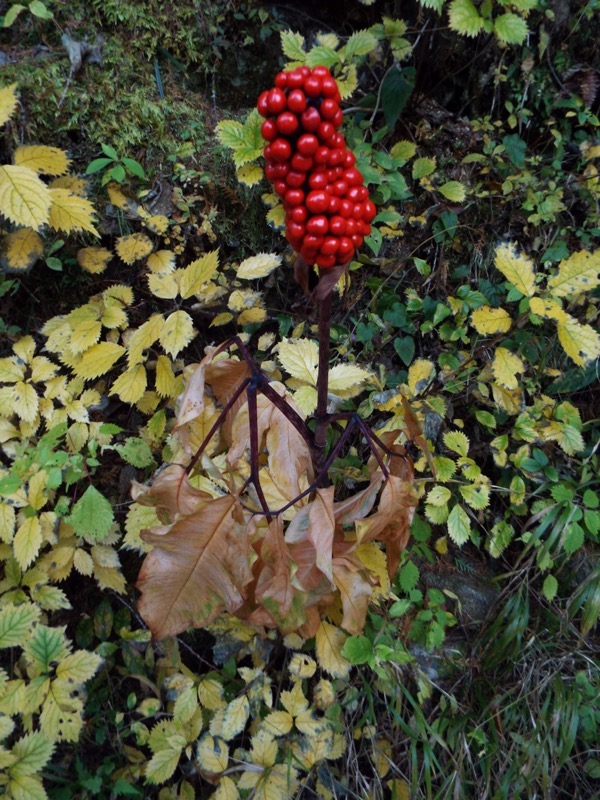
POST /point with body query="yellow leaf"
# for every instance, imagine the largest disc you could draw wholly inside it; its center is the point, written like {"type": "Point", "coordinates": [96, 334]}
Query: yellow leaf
{"type": "Point", "coordinates": [346, 380]}
{"type": "Point", "coordinates": [143, 338]}
{"type": "Point", "coordinates": [27, 542]}
{"type": "Point", "coordinates": [516, 268]}
{"type": "Point", "coordinates": [221, 319]}
{"type": "Point", "coordinates": [329, 643]}
{"type": "Point", "coordinates": [157, 223]}
{"type": "Point", "coordinates": [7, 522]}
{"type": "Point", "coordinates": [420, 375]}
{"type": "Point", "coordinates": [374, 559]}
{"type": "Point", "coordinates": [83, 562]}
{"type": "Point", "coordinates": [164, 284]}
{"type": "Point", "coordinates": [98, 359]}
{"type": "Point", "coordinates": [212, 754]}
{"type": "Point", "coordinates": [42, 159]}
{"type": "Point", "coordinates": [226, 790]}
{"type": "Point", "coordinates": [133, 247]}
{"type": "Point", "coordinates": [35, 491]}
{"type": "Point", "coordinates": [177, 333]}
{"type": "Point", "coordinates": [249, 174]}
{"type": "Point", "coordinates": [119, 199]}
{"type": "Point", "coordinates": [294, 700]}
{"type": "Point", "coordinates": [26, 401]}
{"type": "Point", "coordinates": [210, 694]}
{"type": "Point", "coordinates": [24, 198]}
{"type": "Point", "coordinates": [455, 191]}
{"type": "Point", "coordinates": [258, 266]}
{"type": "Point", "coordinates": [488, 321]}
{"type": "Point", "coordinates": [349, 83]}
{"type": "Point", "coordinates": [85, 334]}
{"type": "Point", "coordinates": [509, 400]}
{"type": "Point", "coordinates": [578, 273]}
{"type": "Point", "coordinates": [580, 342]}
{"type": "Point", "coordinates": [94, 259]}
{"type": "Point", "coordinates": [120, 292]}
{"type": "Point", "coordinates": [22, 248]}
{"type": "Point", "coordinates": [196, 274]}
{"type": "Point", "coordinates": [161, 261]}
{"type": "Point", "coordinates": [42, 369]}
{"type": "Point", "coordinates": [72, 183]}
{"type": "Point", "coordinates": [69, 212]}
{"type": "Point", "coordinates": [235, 716]}
{"type": "Point", "coordinates": [10, 370]}
{"type": "Point", "coordinates": [276, 216]}
{"type": "Point", "coordinates": [131, 385]}
{"type": "Point", "coordinates": [506, 367]}
{"type": "Point", "coordinates": [165, 379]}
{"type": "Point", "coordinates": [548, 308]}
{"type": "Point", "coordinates": [300, 358]}
{"type": "Point", "coordinates": [302, 666]}
{"type": "Point", "coordinates": [457, 442]}
{"type": "Point", "coordinates": [305, 397]}
{"type": "Point", "coordinates": [8, 102]}
{"type": "Point", "coordinates": [251, 316]}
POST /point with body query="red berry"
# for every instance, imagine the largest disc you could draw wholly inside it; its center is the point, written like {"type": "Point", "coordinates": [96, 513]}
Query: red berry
{"type": "Point", "coordinates": [312, 85]}
{"type": "Point", "coordinates": [346, 207]}
{"type": "Point", "coordinates": [318, 225]}
{"type": "Point", "coordinates": [357, 212]}
{"type": "Point", "coordinates": [269, 172]}
{"type": "Point", "coordinates": [281, 170]}
{"type": "Point", "coordinates": [339, 188]}
{"type": "Point", "coordinates": [322, 155]}
{"type": "Point", "coordinates": [287, 123]}
{"type": "Point", "coordinates": [353, 177]}
{"type": "Point", "coordinates": [350, 159]}
{"type": "Point", "coordinates": [337, 225]}
{"type": "Point", "coordinates": [276, 101]}
{"type": "Point", "coordinates": [358, 193]}
{"type": "Point", "coordinates": [357, 240]}
{"type": "Point", "coordinates": [338, 118]}
{"type": "Point", "coordinates": [295, 79]}
{"type": "Point", "coordinates": [296, 101]}
{"type": "Point", "coordinates": [338, 141]}
{"type": "Point", "coordinates": [280, 187]}
{"type": "Point", "coordinates": [301, 163]}
{"type": "Point", "coordinates": [294, 197]}
{"type": "Point", "coordinates": [296, 179]}
{"type": "Point", "coordinates": [268, 130]}
{"type": "Point", "coordinates": [366, 229]}
{"type": "Point", "coordinates": [281, 150]}
{"type": "Point", "coordinates": [299, 214]}
{"type": "Point", "coordinates": [308, 253]}
{"type": "Point", "coordinates": [318, 180]}
{"type": "Point", "coordinates": [350, 225]}
{"type": "Point", "coordinates": [325, 131]}
{"type": "Point", "coordinates": [336, 157]}
{"type": "Point", "coordinates": [312, 241]}
{"type": "Point", "coordinates": [263, 108]}
{"type": "Point", "coordinates": [304, 70]}
{"type": "Point", "coordinates": [328, 108]}
{"type": "Point", "coordinates": [310, 119]}
{"type": "Point", "coordinates": [296, 229]}
{"type": "Point", "coordinates": [330, 245]}
{"type": "Point", "coordinates": [307, 144]}
{"type": "Point", "coordinates": [317, 201]}
{"type": "Point", "coordinates": [321, 72]}
{"type": "Point", "coordinates": [346, 248]}
{"type": "Point", "coordinates": [328, 86]}
{"type": "Point", "coordinates": [335, 204]}
{"type": "Point", "coordinates": [281, 80]}
{"type": "Point", "coordinates": [325, 262]}
{"type": "Point", "coordinates": [369, 211]}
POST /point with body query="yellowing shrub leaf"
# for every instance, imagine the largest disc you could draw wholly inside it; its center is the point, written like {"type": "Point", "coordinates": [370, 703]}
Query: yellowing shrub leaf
{"type": "Point", "coordinates": [488, 321]}
{"type": "Point", "coordinates": [420, 375]}
{"type": "Point", "coordinates": [133, 247]}
{"type": "Point", "coordinates": [78, 667]}
{"type": "Point", "coordinates": [459, 525]}
{"type": "Point", "coordinates": [131, 384]}
{"type": "Point", "coordinates": [24, 198]}
{"type": "Point", "coordinates": [346, 380]}
{"type": "Point", "coordinates": [8, 102]}
{"type": "Point", "coordinates": [516, 268]}
{"type": "Point", "coordinates": [299, 357]}
{"type": "Point", "coordinates": [329, 643]}
{"type": "Point", "coordinates": [94, 259]}
{"type": "Point", "coordinates": [464, 18]}
{"type": "Point", "coordinates": [72, 183]}
{"type": "Point", "coordinates": [143, 338]}
{"type": "Point", "coordinates": [548, 308]}
{"type": "Point", "coordinates": [258, 266]}
{"type": "Point", "coordinates": [98, 360]}
{"type": "Point", "coordinates": [26, 401]}
{"type": "Point", "coordinates": [161, 261]}
{"type": "Point", "coordinates": [506, 367]}
{"type": "Point", "coordinates": [177, 333]}
{"type": "Point", "coordinates": [249, 174]}
{"type": "Point", "coordinates": [21, 249]}
{"type": "Point", "coordinates": [42, 159]}
{"type": "Point", "coordinates": [579, 273]}
{"type": "Point", "coordinates": [457, 442]}
{"type": "Point", "coordinates": [580, 342]}
{"type": "Point", "coordinates": [198, 273]}
{"type": "Point", "coordinates": [455, 191]}
{"type": "Point", "coordinates": [27, 542]}
{"type": "Point", "coordinates": [69, 212]}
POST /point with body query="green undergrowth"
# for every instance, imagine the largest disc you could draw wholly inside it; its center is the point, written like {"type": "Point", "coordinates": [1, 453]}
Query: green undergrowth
{"type": "Point", "coordinates": [469, 324]}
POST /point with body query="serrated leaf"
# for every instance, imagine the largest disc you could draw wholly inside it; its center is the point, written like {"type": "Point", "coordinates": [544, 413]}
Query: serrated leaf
{"type": "Point", "coordinates": [24, 198]}
{"type": "Point", "coordinates": [458, 442]}
{"type": "Point", "coordinates": [516, 268]}
{"type": "Point", "coordinates": [8, 102]}
{"type": "Point", "coordinates": [488, 321]}
{"type": "Point", "coordinates": [404, 150]}
{"type": "Point", "coordinates": [360, 43]}
{"type": "Point", "coordinates": [420, 374]}
{"type": "Point", "coordinates": [98, 360]}
{"type": "Point", "coordinates": [42, 159]}
{"type": "Point", "coordinates": [161, 261]}
{"type": "Point", "coordinates": [250, 174]}
{"type": "Point", "coordinates": [178, 331]}
{"type": "Point", "coordinates": [94, 259]}
{"type": "Point", "coordinates": [131, 384]}
{"type": "Point", "coordinates": [580, 342]}
{"type": "Point", "coordinates": [258, 266]}
{"type": "Point", "coordinates": [26, 787]}
{"type": "Point", "coordinates": [230, 132]}
{"type": "Point", "coordinates": [439, 496]}
{"type": "Point", "coordinates": [459, 525]}
{"type": "Point", "coordinates": [464, 18]}
{"type": "Point", "coordinates": [548, 308]}
{"type": "Point", "coordinates": [133, 247]}
{"type": "Point", "coordinates": [510, 28]}
{"type": "Point", "coordinates": [550, 587]}
{"type": "Point", "coordinates": [69, 212]}
{"type": "Point", "coordinates": [135, 451]}
{"type": "Point", "coordinates": [212, 754]}
{"type": "Point", "coordinates": [143, 338]}
{"type": "Point", "coordinates": [578, 273]}
{"type": "Point", "coordinates": [16, 623]}
{"type": "Point", "coordinates": [27, 542]}
{"type": "Point", "coordinates": [454, 191]}
{"type": "Point", "coordinates": [234, 719]}
{"type": "Point", "coordinates": [92, 515]}
{"type": "Point", "coordinates": [162, 765]}
{"type": "Point", "coordinates": [197, 274]}
{"type": "Point", "coordinates": [507, 367]}
{"type": "Point", "coordinates": [22, 248]}
{"type": "Point", "coordinates": [322, 54]}
{"type": "Point", "coordinates": [292, 45]}
{"type": "Point", "coordinates": [346, 380]}
{"type": "Point", "coordinates": [409, 576]}
{"type": "Point", "coordinates": [26, 401]}
{"type": "Point", "coordinates": [74, 184]}
{"type": "Point", "coordinates": [422, 167]}
{"type": "Point", "coordinates": [349, 83]}
{"type": "Point", "coordinates": [476, 496]}
{"type": "Point", "coordinates": [330, 642]}
{"type": "Point", "coordinates": [165, 378]}
{"type": "Point", "coordinates": [300, 358]}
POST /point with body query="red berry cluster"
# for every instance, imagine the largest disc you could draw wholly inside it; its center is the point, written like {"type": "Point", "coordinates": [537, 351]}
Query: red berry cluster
{"type": "Point", "coordinates": [327, 208]}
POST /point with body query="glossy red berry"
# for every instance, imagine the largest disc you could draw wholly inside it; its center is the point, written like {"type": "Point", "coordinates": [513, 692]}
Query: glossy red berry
{"type": "Point", "coordinates": [307, 144]}
{"type": "Point", "coordinates": [325, 261]}
{"type": "Point", "coordinates": [317, 201]}
{"type": "Point", "coordinates": [287, 123]}
{"type": "Point", "coordinates": [294, 197]}
{"type": "Point", "coordinates": [312, 85]}
{"type": "Point", "coordinates": [318, 225]}
{"type": "Point", "coordinates": [262, 105]}
{"type": "Point", "coordinates": [276, 101]}
{"type": "Point", "coordinates": [295, 179]}
{"type": "Point", "coordinates": [310, 119]}
{"type": "Point", "coordinates": [302, 163]}
{"type": "Point", "coordinates": [281, 150]}
{"type": "Point", "coordinates": [268, 130]}
{"type": "Point", "coordinates": [296, 101]}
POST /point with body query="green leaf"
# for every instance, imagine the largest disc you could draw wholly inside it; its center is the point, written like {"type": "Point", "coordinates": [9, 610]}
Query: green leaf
{"type": "Point", "coordinates": [516, 149]}
{"type": "Point", "coordinates": [320, 54]}
{"type": "Point", "coordinates": [510, 28]}
{"type": "Point", "coordinates": [409, 575]}
{"type": "Point", "coordinates": [38, 9]}
{"type": "Point", "coordinates": [457, 442]}
{"type": "Point", "coordinates": [464, 18]}
{"type": "Point", "coordinates": [358, 649]}
{"type": "Point", "coordinates": [454, 191]}
{"type": "Point", "coordinates": [92, 515]}
{"type": "Point", "coordinates": [32, 753]}
{"type": "Point", "coordinates": [396, 90]}
{"type": "Point", "coordinates": [47, 645]}
{"type": "Point", "coordinates": [292, 45]}
{"type": "Point", "coordinates": [110, 151]}
{"type": "Point", "coordinates": [485, 418]}
{"type": "Point", "coordinates": [230, 132]}
{"type": "Point", "coordinates": [405, 347]}
{"type": "Point", "coordinates": [16, 623]}
{"type": "Point", "coordinates": [97, 164]}
{"type": "Point", "coordinates": [459, 525]}
{"type": "Point", "coordinates": [574, 538]}
{"type": "Point", "coordinates": [133, 167]}
{"type": "Point", "coordinates": [136, 452]}
{"type": "Point", "coordinates": [12, 13]}
{"type": "Point", "coordinates": [550, 587]}
{"type": "Point", "coordinates": [422, 167]}
{"type": "Point", "coordinates": [361, 43]}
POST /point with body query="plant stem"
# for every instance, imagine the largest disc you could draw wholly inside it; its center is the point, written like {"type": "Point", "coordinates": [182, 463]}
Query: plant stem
{"type": "Point", "coordinates": [323, 375]}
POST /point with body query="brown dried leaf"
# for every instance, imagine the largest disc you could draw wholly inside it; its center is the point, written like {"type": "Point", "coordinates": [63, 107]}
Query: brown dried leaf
{"type": "Point", "coordinates": [310, 540]}
{"type": "Point", "coordinates": [355, 592]}
{"type": "Point", "coordinates": [199, 567]}
{"type": "Point", "coordinates": [171, 494]}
